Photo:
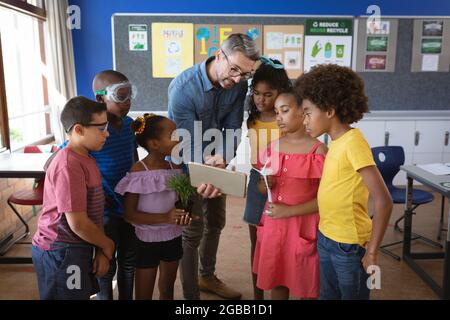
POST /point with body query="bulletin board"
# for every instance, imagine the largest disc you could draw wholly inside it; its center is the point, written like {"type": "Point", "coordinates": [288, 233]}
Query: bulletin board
{"type": "Point", "coordinates": [400, 89]}
{"type": "Point", "coordinates": [137, 64]}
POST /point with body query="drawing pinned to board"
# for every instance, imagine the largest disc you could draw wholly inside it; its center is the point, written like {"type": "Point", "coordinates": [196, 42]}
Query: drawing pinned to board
{"type": "Point", "coordinates": [172, 48]}
{"type": "Point", "coordinates": [431, 45]}
{"type": "Point", "coordinates": [285, 43]}
{"type": "Point", "coordinates": [274, 40]}
{"type": "Point", "coordinates": [376, 62]}
{"type": "Point", "coordinates": [378, 27]}
{"type": "Point", "coordinates": [430, 62]}
{"type": "Point", "coordinates": [377, 44]}
{"type": "Point", "coordinates": [209, 37]}
{"type": "Point", "coordinates": [292, 60]}
{"type": "Point", "coordinates": [138, 37]}
{"type": "Point", "coordinates": [432, 28]}
{"type": "Point", "coordinates": [293, 41]}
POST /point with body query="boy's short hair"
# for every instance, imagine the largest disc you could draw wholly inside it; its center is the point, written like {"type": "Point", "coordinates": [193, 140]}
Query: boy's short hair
{"type": "Point", "coordinates": [79, 110]}
{"type": "Point", "coordinates": [330, 86]}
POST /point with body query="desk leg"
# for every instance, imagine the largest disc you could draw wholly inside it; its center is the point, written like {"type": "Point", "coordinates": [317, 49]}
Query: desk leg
{"type": "Point", "coordinates": [408, 219]}
{"type": "Point", "coordinates": [446, 281]}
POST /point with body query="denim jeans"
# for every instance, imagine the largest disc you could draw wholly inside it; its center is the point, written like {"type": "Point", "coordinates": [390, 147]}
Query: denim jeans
{"type": "Point", "coordinates": [342, 276]}
{"type": "Point", "coordinates": [65, 272]}
{"type": "Point", "coordinates": [122, 233]}
{"type": "Point", "coordinates": [201, 238]}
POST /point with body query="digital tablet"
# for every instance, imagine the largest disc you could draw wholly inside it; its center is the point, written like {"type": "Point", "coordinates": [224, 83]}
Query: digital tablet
{"type": "Point", "coordinates": [229, 182]}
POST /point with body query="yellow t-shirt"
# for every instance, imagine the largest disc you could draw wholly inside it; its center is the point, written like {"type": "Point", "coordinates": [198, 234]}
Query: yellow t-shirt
{"type": "Point", "coordinates": [260, 135]}
{"type": "Point", "coordinates": [342, 195]}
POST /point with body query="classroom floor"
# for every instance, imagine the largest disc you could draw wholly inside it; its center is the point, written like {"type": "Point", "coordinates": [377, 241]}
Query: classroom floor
{"type": "Point", "coordinates": [398, 281]}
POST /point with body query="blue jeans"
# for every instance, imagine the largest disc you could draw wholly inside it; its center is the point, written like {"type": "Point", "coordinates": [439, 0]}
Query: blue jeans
{"type": "Point", "coordinates": [122, 233]}
{"type": "Point", "coordinates": [342, 276]}
{"type": "Point", "coordinates": [65, 272]}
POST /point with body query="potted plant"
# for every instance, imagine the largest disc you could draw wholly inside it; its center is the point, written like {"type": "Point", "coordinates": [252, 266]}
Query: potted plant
{"type": "Point", "coordinates": [181, 184]}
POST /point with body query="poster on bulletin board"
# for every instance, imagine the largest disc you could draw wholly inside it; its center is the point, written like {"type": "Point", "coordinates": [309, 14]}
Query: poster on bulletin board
{"type": "Point", "coordinates": [209, 37]}
{"type": "Point", "coordinates": [172, 48]}
{"type": "Point", "coordinates": [285, 43]}
{"type": "Point", "coordinates": [377, 45]}
{"type": "Point", "coordinates": [328, 41]}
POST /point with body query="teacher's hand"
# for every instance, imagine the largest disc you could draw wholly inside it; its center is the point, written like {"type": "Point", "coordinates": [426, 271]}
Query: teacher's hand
{"type": "Point", "coordinates": [215, 161]}
{"type": "Point", "coordinates": [208, 191]}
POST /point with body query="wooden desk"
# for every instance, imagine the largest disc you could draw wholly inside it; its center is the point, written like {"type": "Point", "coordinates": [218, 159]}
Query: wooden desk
{"type": "Point", "coordinates": [435, 183]}
{"type": "Point", "coordinates": [21, 165]}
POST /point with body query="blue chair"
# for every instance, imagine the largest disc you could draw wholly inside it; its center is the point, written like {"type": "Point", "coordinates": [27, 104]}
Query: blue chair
{"type": "Point", "coordinates": [388, 160]}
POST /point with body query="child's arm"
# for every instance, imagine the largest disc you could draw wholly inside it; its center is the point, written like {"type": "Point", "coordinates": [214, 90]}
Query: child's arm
{"type": "Point", "coordinates": [280, 211]}
{"type": "Point", "coordinates": [83, 227]}
{"type": "Point", "coordinates": [132, 215]}
{"type": "Point", "coordinates": [383, 208]}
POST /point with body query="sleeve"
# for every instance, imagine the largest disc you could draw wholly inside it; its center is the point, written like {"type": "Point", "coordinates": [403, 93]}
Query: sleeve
{"type": "Point", "coordinates": [359, 154]}
{"type": "Point", "coordinates": [234, 121]}
{"type": "Point", "coordinates": [71, 189]}
{"type": "Point", "coordinates": [182, 112]}
{"type": "Point", "coordinates": [140, 184]}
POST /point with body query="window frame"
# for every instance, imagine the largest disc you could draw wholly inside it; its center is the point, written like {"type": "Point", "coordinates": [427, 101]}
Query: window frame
{"type": "Point", "coordinates": [26, 8]}
{"type": "Point", "coordinates": [4, 121]}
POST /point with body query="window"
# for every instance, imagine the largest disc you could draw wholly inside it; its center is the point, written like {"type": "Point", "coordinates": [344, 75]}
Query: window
{"type": "Point", "coordinates": [35, 8]}
{"type": "Point", "coordinates": [24, 68]}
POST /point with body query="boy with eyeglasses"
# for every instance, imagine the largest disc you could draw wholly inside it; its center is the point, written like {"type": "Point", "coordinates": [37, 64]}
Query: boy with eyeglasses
{"type": "Point", "coordinates": [71, 223]}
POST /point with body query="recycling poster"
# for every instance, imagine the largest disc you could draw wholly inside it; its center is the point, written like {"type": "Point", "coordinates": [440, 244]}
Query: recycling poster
{"type": "Point", "coordinates": [328, 41]}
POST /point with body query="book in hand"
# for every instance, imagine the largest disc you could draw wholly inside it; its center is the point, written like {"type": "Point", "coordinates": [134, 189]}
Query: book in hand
{"type": "Point", "coordinates": [229, 182]}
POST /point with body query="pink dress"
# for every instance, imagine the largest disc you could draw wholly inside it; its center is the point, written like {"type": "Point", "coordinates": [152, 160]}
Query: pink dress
{"type": "Point", "coordinates": [286, 249]}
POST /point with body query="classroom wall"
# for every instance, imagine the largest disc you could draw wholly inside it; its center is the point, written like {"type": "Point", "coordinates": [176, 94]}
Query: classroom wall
{"type": "Point", "coordinates": [93, 44]}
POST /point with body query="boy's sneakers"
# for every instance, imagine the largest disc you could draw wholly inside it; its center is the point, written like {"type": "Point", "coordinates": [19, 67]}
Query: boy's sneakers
{"type": "Point", "coordinates": [214, 285]}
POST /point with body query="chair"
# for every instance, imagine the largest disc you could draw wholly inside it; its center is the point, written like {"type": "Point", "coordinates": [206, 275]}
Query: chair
{"type": "Point", "coordinates": [388, 160]}
{"type": "Point", "coordinates": [26, 197]}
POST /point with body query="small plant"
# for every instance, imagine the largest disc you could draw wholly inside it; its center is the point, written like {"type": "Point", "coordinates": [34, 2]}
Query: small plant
{"type": "Point", "coordinates": [182, 186]}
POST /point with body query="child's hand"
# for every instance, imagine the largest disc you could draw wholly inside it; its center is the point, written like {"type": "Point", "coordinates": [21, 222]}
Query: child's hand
{"type": "Point", "coordinates": [184, 220]}
{"type": "Point", "coordinates": [369, 259]}
{"type": "Point", "coordinates": [278, 211]}
{"type": "Point", "coordinates": [262, 185]}
{"type": "Point", "coordinates": [100, 264]}
{"type": "Point", "coordinates": [108, 250]}
{"type": "Point", "coordinates": [174, 216]}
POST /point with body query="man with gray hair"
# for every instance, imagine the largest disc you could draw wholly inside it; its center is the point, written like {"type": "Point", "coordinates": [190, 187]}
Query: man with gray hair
{"type": "Point", "coordinates": [211, 95]}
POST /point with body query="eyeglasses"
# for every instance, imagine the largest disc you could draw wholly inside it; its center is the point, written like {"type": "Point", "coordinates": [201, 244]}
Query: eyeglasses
{"type": "Point", "coordinates": [102, 127]}
{"type": "Point", "coordinates": [236, 72]}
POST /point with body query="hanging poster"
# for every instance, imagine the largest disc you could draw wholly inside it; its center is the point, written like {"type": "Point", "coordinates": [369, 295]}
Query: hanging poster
{"type": "Point", "coordinates": [378, 27]}
{"type": "Point", "coordinates": [376, 62]}
{"type": "Point", "coordinates": [328, 41]}
{"type": "Point", "coordinates": [172, 48]}
{"type": "Point", "coordinates": [377, 44]}
{"type": "Point", "coordinates": [285, 44]}
{"type": "Point", "coordinates": [431, 49]}
{"type": "Point", "coordinates": [431, 45]}
{"type": "Point", "coordinates": [138, 37]}
{"type": "Point", "coordinates": [209, 37]}
{"type": "Point", "coordinates": [432, 28]}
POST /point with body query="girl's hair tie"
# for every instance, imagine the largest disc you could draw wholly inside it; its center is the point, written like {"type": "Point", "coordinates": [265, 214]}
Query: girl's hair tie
{"type": "Point", "coordinates": [142, 121]}
{"type": "Point", "coordinates": [269, 62]}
